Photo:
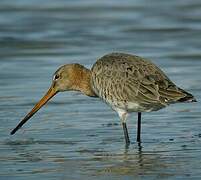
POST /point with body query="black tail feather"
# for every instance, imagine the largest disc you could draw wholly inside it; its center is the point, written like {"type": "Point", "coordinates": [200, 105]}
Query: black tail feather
{"type": "Point", "coordinates": [187, 98]}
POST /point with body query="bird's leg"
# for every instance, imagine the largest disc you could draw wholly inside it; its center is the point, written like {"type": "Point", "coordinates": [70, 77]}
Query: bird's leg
{"type": "Point", "coordinates": [123, 115]}
{"type": "Point", "coordinates": [123, 118]}
{"type": "Point", "coordinates": [139, 127]}
{"type": "Point", "coordinates": [126, 133]}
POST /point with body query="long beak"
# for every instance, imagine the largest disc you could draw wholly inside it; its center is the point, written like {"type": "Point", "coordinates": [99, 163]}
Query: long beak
{"type": "Point", "coordinates": [51, 92]}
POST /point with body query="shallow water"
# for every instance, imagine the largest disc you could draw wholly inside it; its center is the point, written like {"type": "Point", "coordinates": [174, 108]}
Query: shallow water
{"type": "Point", "coordinates": [74, 136]}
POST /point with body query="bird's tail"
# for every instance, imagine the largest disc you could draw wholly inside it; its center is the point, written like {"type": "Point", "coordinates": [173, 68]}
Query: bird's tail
{"type": "Point", "coordinates": [187, 98]}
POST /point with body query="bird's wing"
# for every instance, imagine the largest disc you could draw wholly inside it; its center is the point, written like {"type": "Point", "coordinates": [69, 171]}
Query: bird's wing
{"type": "Point", "coordinates": [133, 79]}
{"type": "Point", "coordinates": [152, 85]}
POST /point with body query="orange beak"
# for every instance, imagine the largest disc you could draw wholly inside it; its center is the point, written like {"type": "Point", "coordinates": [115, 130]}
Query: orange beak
{"type": "Point", "coordinates": [51, 92]}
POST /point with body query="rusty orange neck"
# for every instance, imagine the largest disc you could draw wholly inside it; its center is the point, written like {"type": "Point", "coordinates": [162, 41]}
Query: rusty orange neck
{"type": "Point", "coordinates": [82, 78]}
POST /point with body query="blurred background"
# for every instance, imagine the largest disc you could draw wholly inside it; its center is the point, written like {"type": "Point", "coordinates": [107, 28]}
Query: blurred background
{"type": "Point", "coordinates": [74, 136]}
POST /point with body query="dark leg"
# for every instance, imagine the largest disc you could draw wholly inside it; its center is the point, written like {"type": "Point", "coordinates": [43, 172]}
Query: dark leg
{"type": "Point", "coordinates": [126, 133]}
{"type": "Point", "coordinates": [139, 127]}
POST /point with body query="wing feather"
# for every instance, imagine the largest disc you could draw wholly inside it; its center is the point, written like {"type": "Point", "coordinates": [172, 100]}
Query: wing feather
{"type": "Point", "coordinates": [134, 79]}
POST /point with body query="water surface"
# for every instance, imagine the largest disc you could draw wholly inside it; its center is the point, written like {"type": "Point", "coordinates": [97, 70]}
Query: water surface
{"type": "Point", "coordinates": [74, 136]}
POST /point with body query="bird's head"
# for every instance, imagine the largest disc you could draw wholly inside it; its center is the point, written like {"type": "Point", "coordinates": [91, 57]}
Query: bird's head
{"type": "Point", "coordinates": [67, 77]}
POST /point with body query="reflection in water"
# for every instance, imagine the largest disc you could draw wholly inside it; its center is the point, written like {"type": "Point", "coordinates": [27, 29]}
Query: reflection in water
{"type": "Point", "coordinates": [131, 163]}
{"type": "Point", "coordinates": [136, 164]}
{"type": "Point", "coordinates": [73, 161]}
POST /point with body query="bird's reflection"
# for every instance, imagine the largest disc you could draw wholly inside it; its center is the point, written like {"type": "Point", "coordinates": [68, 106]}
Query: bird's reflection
{"type": "Point", "coordinates": [132, 160]}
{"type": "Point", "coordinates": [135, 161]}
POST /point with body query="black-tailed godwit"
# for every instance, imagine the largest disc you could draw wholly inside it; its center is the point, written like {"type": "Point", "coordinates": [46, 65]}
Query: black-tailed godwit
{"type": "Point", "coordinates": [127, 83]}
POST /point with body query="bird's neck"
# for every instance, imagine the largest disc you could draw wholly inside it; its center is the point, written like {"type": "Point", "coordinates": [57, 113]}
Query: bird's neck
{"type": "Point", "coordinates": [83, 82]}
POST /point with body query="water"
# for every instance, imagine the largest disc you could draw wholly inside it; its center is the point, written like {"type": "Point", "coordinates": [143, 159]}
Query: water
{"type": "Point", "coordinates": [77, 137]}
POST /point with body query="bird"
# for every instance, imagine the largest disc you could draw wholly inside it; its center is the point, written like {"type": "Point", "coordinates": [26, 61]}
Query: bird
{"type": "Point", "coordinates": [126, 82]}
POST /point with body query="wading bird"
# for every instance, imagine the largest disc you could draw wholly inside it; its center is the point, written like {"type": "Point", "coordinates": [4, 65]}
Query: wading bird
{"type": "Point", "coordinates": [126, 82]}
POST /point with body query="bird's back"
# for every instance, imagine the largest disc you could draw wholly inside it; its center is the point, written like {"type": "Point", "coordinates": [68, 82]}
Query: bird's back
{"type": "Point", "coordinates": [132, 83]}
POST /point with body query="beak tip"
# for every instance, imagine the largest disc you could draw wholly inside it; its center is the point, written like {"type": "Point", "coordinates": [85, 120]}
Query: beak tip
{"type": "Point", "coordinates": [13, 132]}
{"type": "Point", "coordinates": [51, 92]}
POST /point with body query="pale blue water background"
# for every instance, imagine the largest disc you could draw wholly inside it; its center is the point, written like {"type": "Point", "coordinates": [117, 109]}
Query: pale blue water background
{"type": "Point", "coordinates": [76, 137]}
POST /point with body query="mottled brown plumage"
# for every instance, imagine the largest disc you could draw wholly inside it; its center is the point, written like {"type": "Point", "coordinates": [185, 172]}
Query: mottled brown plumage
{"type": "Point", "coordinates": [120, 79]}
{"type": "Point", "coordinates": [127, 83]}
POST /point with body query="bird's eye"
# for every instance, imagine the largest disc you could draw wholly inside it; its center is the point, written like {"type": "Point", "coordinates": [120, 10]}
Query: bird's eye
{"type": "Point", "coordinates": [56, 77]}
